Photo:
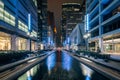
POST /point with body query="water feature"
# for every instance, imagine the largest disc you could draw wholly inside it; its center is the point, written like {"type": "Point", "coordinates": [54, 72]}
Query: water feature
{"type": "Point", "coordinates": [61, 66]}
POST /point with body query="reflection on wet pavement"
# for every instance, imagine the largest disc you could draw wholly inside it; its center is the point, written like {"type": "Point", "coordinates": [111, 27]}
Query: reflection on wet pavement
{"type": "Point", "coordinates": [61, 66]}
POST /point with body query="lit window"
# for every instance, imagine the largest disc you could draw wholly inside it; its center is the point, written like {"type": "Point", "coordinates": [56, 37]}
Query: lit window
{"type": "Point", "coordinates": [1, 13]}
{"type": "Point", "coordinates": [35, 2]}
{"type": "Point", "coordinates": [39, 11]}
{"type": "Point", "coordinates": [22, 26]}
{"type": "Point", "coordinates": [6, 16]}
{"type": "Point", "coordinates": [76, 9]}
{"type": "Point", "coordinates": [34, 33]}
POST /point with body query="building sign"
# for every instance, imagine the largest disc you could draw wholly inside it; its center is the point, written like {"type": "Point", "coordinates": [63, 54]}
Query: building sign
{"type": "Point", "coordinates": [86, 22]}
{"type": "Point", "coordinates": [29, 23]}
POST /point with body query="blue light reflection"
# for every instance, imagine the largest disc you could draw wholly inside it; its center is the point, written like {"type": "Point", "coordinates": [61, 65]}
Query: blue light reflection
{"type": "Point", "coordinates": [87, 78]}
{"type": "Point", "coordinates": [51, 61]}
{"type": "Point", "coordinates": [66, 61]}
{"type": "Point", "coordinates": [86, 71]}
{"type": "Point", "coordinates": [29, 78]}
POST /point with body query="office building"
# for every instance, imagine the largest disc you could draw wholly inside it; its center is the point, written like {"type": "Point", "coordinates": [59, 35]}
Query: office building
{"type": "Point", "coordinates": [42, 23]}
{"type": "Point", "coordinates": [77, 41]}
{"type": "Point", "coordinates": [18, 25]}
{"type": "Point", "coordinates": [71, 16]}
{"type": "Point", "coordinates": [51, 29]}
{"type": "Point", "coordinates": [103, 23]}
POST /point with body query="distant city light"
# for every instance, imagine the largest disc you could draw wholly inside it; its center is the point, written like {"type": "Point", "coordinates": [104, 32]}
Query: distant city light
{"type": "Point", "coordinates": [68, 40]}
{"type": "Point", "coordinates": [49, 39]}
{"type": "Point", "coordinates": [55, 30]}
{"type": "Point", "coordinates": [87, 35]}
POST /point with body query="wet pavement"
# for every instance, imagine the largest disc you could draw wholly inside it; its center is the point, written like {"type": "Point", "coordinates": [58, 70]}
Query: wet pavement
{"type": "Point", "coordinates": [61, 66]}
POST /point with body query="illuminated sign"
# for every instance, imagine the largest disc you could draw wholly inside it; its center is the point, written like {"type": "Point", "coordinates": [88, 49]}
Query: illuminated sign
{"type": "Point", "coordinates": [86, 22]}
{"type": "Point", "coordinates": [29, 23]}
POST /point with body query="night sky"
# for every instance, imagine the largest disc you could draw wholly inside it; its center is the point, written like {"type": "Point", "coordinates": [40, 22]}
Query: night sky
{"type": "Point", "coordinates": [56, 7]}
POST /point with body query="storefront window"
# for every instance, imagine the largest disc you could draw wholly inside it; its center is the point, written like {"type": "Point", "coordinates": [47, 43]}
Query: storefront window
{"type": "Point", "coordinates": [108, 48]}
{"type": "Point", "coordinates": [22, 43]}
{"type": "Point", "coordinates": [117, 48]}
{"type": "Point", "coordinates": [5, 41]}
{"type": "Point", "coordinates": [33, 46]}
{"type": "Point", "coordinates": [93, 46]}
{"type": "Point", "coordinates": [112, 45]}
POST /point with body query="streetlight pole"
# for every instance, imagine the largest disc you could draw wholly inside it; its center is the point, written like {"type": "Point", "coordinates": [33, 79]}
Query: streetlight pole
{"type": "Point", "coordinates": [30, 41]}
{"type": "Point", "coordinates": [86, 36]}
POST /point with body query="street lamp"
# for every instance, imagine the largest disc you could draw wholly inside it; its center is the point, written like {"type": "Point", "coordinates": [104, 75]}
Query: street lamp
{"type": "Point", "coordinates": [29, 28]}
{"type": "Point", "coordinates": [30, 36]}
{"type": "Point", "coordinates": [86, 36]}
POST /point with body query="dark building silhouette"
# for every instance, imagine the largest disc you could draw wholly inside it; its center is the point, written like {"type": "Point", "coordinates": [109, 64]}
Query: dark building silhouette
{"type": "Point", "coordinates": [71, 16]}
{"type": "Point", "coordinates": [42, 22]}
{"type": "Point", "coordinates": [51, 23]}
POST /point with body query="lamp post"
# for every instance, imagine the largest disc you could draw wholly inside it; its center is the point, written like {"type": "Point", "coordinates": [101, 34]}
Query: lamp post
{"type": "Point", "coordinates": [29, 29]}
{"type": "Point", "coordinates": [86, 36]}
{"type": "Point", "coordinates": [30, 36]}
{"type": "Point", "coordinates": [30, 41]}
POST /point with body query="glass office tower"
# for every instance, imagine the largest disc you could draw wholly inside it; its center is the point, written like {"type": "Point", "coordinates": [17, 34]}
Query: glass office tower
{"type": "Point", "coordinates": [103, 22]}
{"type": "Point", "coordinates": [18, 24]}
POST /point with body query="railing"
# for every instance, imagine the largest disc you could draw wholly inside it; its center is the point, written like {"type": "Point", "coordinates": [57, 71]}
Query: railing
{"type": "Point", "coordinates": [95, 55]}
{"type": "Point", "coordinates": [17, 73]}
{"type": "Point", "coordinates": [10, 56]}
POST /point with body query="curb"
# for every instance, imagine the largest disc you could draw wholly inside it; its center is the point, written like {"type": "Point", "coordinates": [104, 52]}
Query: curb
{"type": "Point", "coordinates": [100, 63]}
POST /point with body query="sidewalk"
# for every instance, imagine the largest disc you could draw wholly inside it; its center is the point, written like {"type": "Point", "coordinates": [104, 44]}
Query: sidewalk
{"type": "Point", "coordinates": [110, 64]}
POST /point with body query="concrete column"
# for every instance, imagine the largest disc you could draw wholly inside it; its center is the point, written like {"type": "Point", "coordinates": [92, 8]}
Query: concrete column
{"type": "Point", "coordinates": [101, 44]}
{"type": "Point", "coordinates": [100, 28]}
{"type": "Point", "coordinates": [13, 42]}
{"type": "Point", "coordinates": [28, 44]}
{"type": "Point", "coordinates": [36, 46]}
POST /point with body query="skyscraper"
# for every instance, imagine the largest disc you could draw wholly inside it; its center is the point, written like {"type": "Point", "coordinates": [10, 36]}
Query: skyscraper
{"type": "Point", "coordinates": [71, 15]}
{"type": "Point", "coordinates": [42, 22]}
{"type": "Point", "coordinates": [51, 25]}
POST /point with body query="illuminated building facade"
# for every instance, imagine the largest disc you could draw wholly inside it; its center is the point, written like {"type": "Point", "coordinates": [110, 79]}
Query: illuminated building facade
{"type": "Point", "coordinates": [51, 29]}
{"type": "Point", "coordinates": [18, 24]}
{"type": "Point", "coordinates": [103, 23]}
{"type": "Point", "coordinates": [77, 40]}
{"type": "Point", "coordinates": [42, 22]}
{"type": "Point", "coordinates": [71, 15]}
